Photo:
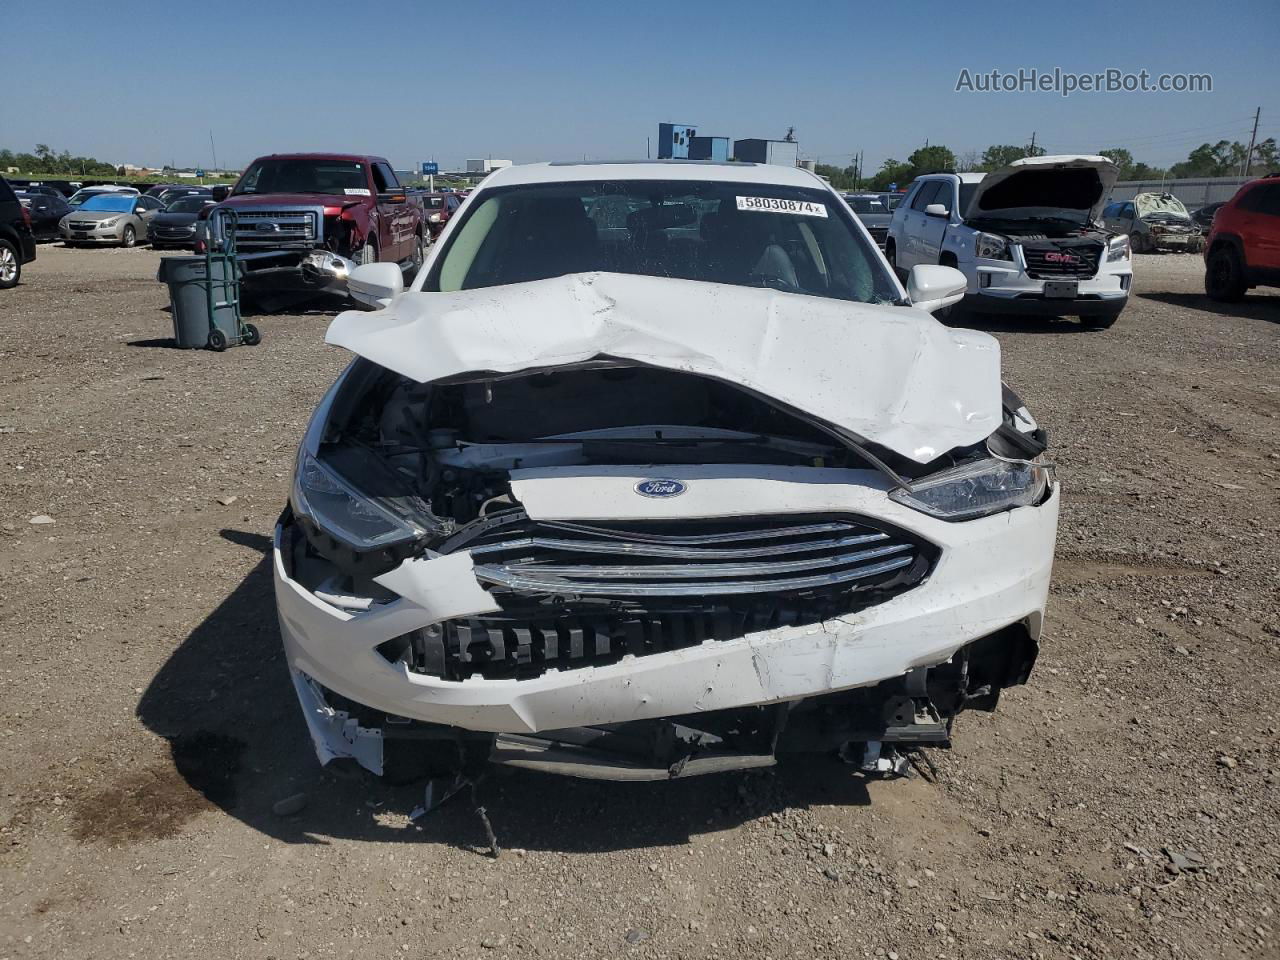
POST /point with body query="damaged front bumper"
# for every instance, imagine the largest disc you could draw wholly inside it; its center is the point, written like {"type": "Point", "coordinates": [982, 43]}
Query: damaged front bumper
{"type": "Point", "coordinates": [295, 271]}
{"type": "Point", "coordinates": [896, 670]}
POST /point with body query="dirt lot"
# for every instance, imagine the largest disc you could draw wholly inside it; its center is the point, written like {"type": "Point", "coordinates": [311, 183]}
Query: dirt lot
{"type": "Point", "coordinates": [147, 726]}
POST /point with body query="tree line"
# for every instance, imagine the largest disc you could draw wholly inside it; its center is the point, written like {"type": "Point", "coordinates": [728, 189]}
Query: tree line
{"type": "Point", "coordinates": [1222, 159]}
{"type": "Point", "coordinates": [45, 161]}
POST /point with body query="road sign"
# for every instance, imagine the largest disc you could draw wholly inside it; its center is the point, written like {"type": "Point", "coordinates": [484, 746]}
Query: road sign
{"type": "Point", "coordinates": [893, 188]}
{"type": "Point", "coordinates": [430, 169]}
{"type": "Point", "coordinates": [199, 173]}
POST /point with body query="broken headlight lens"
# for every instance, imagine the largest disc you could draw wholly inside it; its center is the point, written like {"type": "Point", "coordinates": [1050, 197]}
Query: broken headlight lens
{"type": "Point", "coordinates": [343, 512]}
{"type": "Point", "coordinates": [975, 489]}
{"type": "Point", "coordinates": [988, 246]}
{"type": "Point", "coordinates": [1118, 249]}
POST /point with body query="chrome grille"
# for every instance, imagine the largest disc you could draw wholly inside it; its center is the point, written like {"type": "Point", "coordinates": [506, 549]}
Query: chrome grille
{"type": "Point", "coordinates": [584, 594]}
{"type": "Point", "coordinates": [713, 558]}
{"type": "Point", "coordinates": [82, 224]}
{"type": "Point", "coordinates": [1052, 262]}
{"type": "Point", "coordinates": [280, 225]}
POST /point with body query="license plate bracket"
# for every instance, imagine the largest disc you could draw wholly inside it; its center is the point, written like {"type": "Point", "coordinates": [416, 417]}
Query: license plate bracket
{"type": "Point", "coordinates": [1061, 289]}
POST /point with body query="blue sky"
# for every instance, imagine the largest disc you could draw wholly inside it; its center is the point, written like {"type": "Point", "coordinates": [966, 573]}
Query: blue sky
{"type": "Point", "coordinates": [144, 83]}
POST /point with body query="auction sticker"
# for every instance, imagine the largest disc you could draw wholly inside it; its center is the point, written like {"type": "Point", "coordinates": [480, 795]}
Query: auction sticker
{"type": "Point", "coordinates": [356, 191]}
{"type": "Point", "coordinates": [802, 208]}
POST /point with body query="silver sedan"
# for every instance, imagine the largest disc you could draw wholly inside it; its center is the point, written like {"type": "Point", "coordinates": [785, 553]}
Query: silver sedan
{"type": "Point", "coordinates": [115, 218]}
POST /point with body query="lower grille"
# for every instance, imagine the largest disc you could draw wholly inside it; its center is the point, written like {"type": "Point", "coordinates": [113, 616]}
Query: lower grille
{"type": "Point", "coordinates": [1080, 262]}
{"type": "Point", "coordinates": [576, 595]}
{"type": "Point", "coordinates": [879, 234]}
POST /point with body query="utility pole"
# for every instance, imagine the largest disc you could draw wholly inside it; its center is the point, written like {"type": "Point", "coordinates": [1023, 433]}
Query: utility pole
{"type": "Point", "coordinates": [1032, 151]}
{"type": "Point", "coordinates": [1253, 138]}
{"type": "Point", "coordinates": [214, 150]}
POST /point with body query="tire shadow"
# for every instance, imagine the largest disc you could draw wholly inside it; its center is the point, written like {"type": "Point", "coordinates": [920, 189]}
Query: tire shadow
{"type": "Point", "coordinates": [226, 705]}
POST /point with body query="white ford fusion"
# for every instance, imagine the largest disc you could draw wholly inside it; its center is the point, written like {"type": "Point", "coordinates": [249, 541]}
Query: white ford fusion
{"type": "Point", "coordinates": [656, 470]}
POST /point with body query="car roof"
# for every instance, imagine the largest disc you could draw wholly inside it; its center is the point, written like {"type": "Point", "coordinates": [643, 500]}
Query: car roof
{"type": "Point", "coordinates": [352, 157]}
{"type": "Point", "coordinates": [703, 170]}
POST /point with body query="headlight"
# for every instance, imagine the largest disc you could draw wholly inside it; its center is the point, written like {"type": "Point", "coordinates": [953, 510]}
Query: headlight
{"type": "Point", "coordinates": [975, 489]}
{"type": "Point", "coordinates": [1118, 249]}
{"type": "Point", "coordinates": [342, 511]}
{"type": "Point", "coordinates": [988, 246]}
{"type": "Point", "coordinates": [434, 218]}
{"type": "Point", "coordinates": [109, 223]}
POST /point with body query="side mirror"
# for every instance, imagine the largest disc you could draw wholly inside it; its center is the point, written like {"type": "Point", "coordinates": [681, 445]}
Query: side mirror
{"type": "Point", "coordinates": [375, 284]}
{"type": "Point", "coordinates": [932, 287]}
{"type": "Point", "coordinates": [936, 210]}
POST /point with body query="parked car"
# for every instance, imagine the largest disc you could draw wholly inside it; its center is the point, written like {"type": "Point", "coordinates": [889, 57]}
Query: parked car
{"type": "Point", "coordinates": [1243, 248]}
{"type": "Point", "coordinates": [305, 218]}
{"type": "Point", "coordinates": [1025, 236]}
{"type": "Point", "coordinates": [84, 193]}
{"type": "Point", "coordinates": [175, 225]}
{"type": "Point", "coordinates": [45, 210]}
{"type": "Point", "coordinates": [874, 213]}
{"type": "Point", "coordinates": [1153, 221]}
{"type": "Point", "coordinates": [1203, 217]}
{"type": "Point", "coordinates": [439, 207]}
{"type": "Point", "coordinates": [170, 194]}
{"type": "Point", "coordinates": [63, 188]}
{"type": "Point", "coordinates": [652, 501]}
{"type": "Point", "coordinates": [17, 242]}
{"type": "Point", "coordinates": [116, 218]}
{"type": "Point", "coordinates": [33, 189]}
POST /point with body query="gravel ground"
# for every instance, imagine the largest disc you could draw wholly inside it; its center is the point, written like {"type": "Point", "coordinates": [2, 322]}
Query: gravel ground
{"type": "Point", "coordinates": [147, 727]}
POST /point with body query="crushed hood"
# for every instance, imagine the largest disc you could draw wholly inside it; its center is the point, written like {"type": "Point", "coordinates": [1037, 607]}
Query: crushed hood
{"type": "Point", "coordinates": [890, 375]}
{"type": "Point", "coordinates": [1160, 203]}
{"type": "Point", "coordinates": [1044, 186]}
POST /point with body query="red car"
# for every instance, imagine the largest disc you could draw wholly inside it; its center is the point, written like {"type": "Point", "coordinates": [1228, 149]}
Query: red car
{"type": "Point", "coordinates": [439, 207]}
{"type": "Point", "coordinates": [302, 217]}
{"type": "Point", "coordinates": [1243, 249]}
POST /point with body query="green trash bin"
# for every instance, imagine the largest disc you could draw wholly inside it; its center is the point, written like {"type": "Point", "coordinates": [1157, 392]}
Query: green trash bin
{"type": "Point", "coordinates": [188, 279]}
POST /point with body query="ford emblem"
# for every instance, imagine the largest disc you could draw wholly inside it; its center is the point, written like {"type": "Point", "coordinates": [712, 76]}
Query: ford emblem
{"type": "Point", "coordinates": [660, 489]}
{"type": "Point", "coordinates": [267, 226]}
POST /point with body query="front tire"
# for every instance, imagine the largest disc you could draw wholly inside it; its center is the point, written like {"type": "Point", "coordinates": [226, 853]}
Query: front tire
{"type": "Point", "coordinates": [128, 236]}
{"type": "Point", "coordinates": [368, 253]}
{"type": "Point", "coordinates": [891, 254]}
{"type": "Point", "coordinates": [419, 257]}
{"type": "Point", "coordinates": [1224, 276]}
{"type": "Point", "coordinates": [10, 265]}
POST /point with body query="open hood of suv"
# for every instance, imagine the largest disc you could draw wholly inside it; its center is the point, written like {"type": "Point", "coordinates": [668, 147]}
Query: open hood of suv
{"type": "Point", "coordinates": [890, 375]}
{"type": "Point", "coordinates": [1044, 186]}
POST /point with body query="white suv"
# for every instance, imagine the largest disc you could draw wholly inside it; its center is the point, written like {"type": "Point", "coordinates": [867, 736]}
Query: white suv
{"type": "Point", "coordinates": [1026, 237]}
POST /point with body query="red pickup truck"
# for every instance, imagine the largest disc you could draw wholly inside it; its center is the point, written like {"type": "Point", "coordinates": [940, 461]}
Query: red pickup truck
{"type": "Point", "coordinates": [302, 217]}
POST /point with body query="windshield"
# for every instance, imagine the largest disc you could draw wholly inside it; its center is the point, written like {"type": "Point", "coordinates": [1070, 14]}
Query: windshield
{"type": "Point", "coordinates": [1149, 203]}
{"type": "Point", "coordinates": [187, 205]}
{"type": "Point", "coordinates": [433, 203]}
{"type": "Point", "coordinates": [894, 199]}
{"type": "Point", "coordinates": [285, 175]}
{"type": "Point", "coordinates": [109, 203]}
{"type": "Point", "coordinates": [792, 239]}
{"type": "Point", "coordinates": [867, 205]}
